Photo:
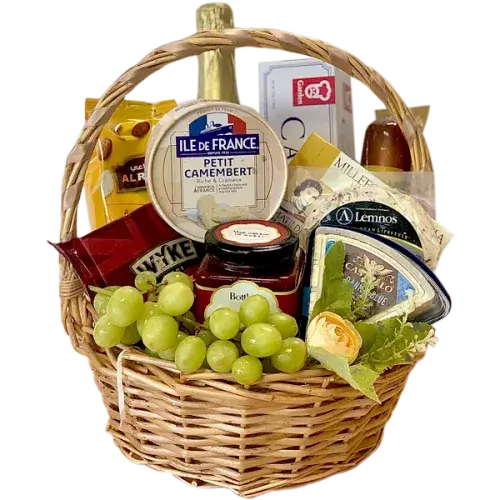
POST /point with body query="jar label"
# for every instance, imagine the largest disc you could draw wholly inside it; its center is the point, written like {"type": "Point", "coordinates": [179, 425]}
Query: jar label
{"type": "Point", "coordinates": [209, 299]}
{"type": "Point", "coordinates": [251, 233]}
{"type": "Point", "coordinates": [232, 296]}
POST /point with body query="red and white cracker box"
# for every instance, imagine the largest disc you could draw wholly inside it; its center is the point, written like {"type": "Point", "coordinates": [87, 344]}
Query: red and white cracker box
{"type": "Point", "coordinates": [303, 96]}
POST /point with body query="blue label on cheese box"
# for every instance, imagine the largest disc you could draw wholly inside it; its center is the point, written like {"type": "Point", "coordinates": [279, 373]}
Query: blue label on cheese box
{"type": "Point", "coordinates": [217, 134]}
{"type": "Point", "coordinates": [393, 286]}
{"type": "Point", "coordinates": [236, 145]}
{"type": "Point", "coordinates": [375, 217]}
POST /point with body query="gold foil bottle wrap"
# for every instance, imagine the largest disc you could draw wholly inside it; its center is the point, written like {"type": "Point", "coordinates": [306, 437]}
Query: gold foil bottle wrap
{"type": "Point", "coordinates": [217, 76]}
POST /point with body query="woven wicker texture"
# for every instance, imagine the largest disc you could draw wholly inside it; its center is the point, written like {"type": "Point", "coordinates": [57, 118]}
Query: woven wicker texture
{"type": "Point", "coordinates": [285, 431]}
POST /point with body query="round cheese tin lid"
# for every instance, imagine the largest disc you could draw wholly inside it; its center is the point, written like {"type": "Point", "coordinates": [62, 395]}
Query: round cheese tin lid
{"type": "Point", "coordinates": [210, 162]}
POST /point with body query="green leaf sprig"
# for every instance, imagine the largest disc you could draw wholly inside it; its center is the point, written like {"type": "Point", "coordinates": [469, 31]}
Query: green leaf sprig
{"type": "Point", "coordinates": [358, 376]}
{"type": "Point", "coordinates": [393, 342]}
{"type": "Point", "coordinates": [337, 293]}
{"type": "Point", "coordinates": [369, 283]}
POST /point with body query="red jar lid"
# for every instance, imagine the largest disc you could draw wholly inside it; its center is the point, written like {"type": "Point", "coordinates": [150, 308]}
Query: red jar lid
{"type": "Point", "coordinates": [252, 243]}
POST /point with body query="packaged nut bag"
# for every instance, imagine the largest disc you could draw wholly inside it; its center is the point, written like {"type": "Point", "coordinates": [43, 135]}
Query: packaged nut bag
{"type": "Point", "coordinates": [115, 179]}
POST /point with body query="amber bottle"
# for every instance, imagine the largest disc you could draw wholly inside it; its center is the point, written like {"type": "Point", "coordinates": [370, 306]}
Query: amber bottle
{"type": "Point", "coordinates": [385, 148]}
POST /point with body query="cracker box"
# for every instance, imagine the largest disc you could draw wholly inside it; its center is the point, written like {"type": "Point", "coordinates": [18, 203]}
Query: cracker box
{"type": "Point", "coordinates": [303, 96]}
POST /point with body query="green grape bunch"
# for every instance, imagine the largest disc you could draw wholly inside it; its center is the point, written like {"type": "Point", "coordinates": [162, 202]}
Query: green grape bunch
{"type": "Point", "coordinates": [125, 318]}
{"type": "Point", "coordinates": [245, 343]}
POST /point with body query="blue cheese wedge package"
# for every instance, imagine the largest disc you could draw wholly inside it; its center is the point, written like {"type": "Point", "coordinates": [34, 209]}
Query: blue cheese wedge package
{"type": "Point", "coordinates": [406, 286]}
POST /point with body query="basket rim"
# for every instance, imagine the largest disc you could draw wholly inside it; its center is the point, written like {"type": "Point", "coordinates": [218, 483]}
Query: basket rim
{"type": "Point", "coordinates": [175, 377]}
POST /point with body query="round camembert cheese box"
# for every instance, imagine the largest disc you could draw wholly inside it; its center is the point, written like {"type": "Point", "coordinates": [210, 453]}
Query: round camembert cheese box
{"type": "Point", "coordinates": [210, 162]}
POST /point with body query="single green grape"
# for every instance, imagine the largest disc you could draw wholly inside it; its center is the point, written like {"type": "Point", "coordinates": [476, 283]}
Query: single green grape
{"type": "Point", "coordinates": [131, 336]}
{"type": "Point", "coordinates": [106, 333]}
{"type": "Point", "coordinates": [188, 321]}
{"type": "Point", "coordinates": [286, 324]}
{"type": "Point", "coordinates": [101, 301]}
{"type": "Point", "coordinates": [169, 354]}
{"type": "Point", "coordinates": [261, 340]}
{"type": "Point", "coordinates": [224, 323]}
{"type": "Point", "coordinates": [291, 356]}
{"type": "Point", "coordinates": [176, 299]}
{"type": "Point", "coordinates": [207, 336]}
{"type": "Point", "coordinates": [125, 306]}
{"type": "Point", "coordinates": [221, 355]}
{"type": "Point", "coordinates": [247, 370]}
{"type": "Point", "coordinates": [178, 277]}
{"type": "Point", "coordinates": [151, 353]}
{"type": "Point", "coordinates": [267, 366]}
{"type": "Point", "coordinates": [160, 333]}
{"type": "Point", "coordinates": [149, 310]}
{"type": "Point", "coordinates": [100, 304]}
{"type": "Point", "coordinates": [145, 281]}
{"type": "Point", "coordinates": [190, 354]}
{"type": "Point", "coordinates": [254, 309]}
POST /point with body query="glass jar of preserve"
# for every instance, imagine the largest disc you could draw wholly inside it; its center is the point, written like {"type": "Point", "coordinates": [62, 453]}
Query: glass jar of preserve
{"type": "Point", "coordinates": [245, 258]}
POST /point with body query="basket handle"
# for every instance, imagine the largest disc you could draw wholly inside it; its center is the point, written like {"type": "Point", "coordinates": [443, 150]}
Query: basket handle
{"type": "Point", "coordinates": [80, 155]}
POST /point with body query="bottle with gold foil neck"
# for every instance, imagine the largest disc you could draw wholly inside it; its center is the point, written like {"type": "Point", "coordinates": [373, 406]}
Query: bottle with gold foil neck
{"type": "Point", "coordinates": [385, 148]}
{"type": "Point", "coordinates": [217, 76]}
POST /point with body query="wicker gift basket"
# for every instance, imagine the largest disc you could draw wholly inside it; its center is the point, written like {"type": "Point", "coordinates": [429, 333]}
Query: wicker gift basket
{"type": "Point", "coordinates": [287, 429]}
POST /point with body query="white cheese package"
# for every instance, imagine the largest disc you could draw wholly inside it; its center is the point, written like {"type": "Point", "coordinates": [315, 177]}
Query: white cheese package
{"type": "Point", "coordinates": [385, 212]}
{"type": "Point", "coordinates": [210, 162]}
{"type": "Point", "coordinates": [353, 197]}
{"type": "Point", "coordinates": [406, 285]}
{"type": "Point", "coordinates": [305, 187]}
{"type": "Point", "coordinates": [321, 178]}
{"type": "Point", "coordinates": [303, 96]}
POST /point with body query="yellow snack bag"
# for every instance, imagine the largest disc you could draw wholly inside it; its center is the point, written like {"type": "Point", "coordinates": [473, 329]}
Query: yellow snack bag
{"type": "Point", "coordinates": [115, 179]}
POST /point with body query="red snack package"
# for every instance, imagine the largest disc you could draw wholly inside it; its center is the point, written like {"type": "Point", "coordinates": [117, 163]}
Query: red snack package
{"type": "Point", "coordinates": [141, 241]}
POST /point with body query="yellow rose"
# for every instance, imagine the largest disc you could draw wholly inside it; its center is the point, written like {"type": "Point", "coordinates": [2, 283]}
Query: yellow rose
{"type": "Point", "coordinates": [335, 335]}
